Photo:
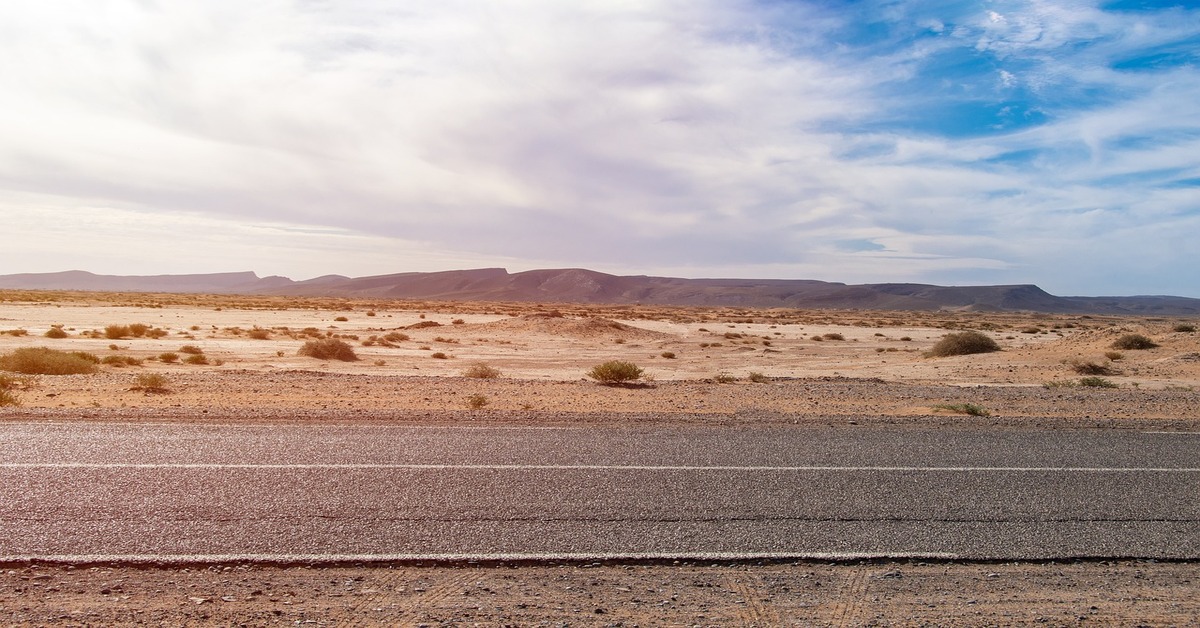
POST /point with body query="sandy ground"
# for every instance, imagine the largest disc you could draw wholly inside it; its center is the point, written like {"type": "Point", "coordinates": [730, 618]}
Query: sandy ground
{"type": "Point", "coordinates": [811, 366]}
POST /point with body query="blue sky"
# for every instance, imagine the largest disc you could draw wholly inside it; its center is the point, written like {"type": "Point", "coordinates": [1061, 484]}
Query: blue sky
{"type": "Point", "coordinates": [990, 142]}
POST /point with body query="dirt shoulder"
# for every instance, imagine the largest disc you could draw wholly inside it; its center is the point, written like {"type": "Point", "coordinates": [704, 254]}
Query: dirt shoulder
{"type": "Point", "coordinates": [800, 594]}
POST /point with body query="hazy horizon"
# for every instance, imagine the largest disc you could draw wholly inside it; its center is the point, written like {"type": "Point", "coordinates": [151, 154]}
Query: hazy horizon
{"type": "Point", "coordinates": [1054, 143]}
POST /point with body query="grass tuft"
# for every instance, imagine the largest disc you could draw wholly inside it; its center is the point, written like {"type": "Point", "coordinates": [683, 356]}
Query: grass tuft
{"type": "Point", "coordinates": [964, 408]}
{"type": "Point", "coordinates": [43, 361]}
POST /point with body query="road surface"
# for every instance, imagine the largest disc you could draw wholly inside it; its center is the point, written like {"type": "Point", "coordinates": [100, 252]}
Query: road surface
{"type": "Point", "coordinates": [177, 492]}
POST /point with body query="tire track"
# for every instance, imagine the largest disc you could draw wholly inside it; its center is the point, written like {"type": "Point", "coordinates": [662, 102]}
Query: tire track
{"type": "Point", "coordinates": [849, 598]}
{"type": "Point", "coordinates": [380, 595]}
{"type": "Point", "coordinates": [438, 593]}
{"type": "Point", "coordinates": [752, 613]}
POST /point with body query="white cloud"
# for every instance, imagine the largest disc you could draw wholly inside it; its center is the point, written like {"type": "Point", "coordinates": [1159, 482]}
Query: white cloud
{"type": "Point", "coordinates": [631, 137]}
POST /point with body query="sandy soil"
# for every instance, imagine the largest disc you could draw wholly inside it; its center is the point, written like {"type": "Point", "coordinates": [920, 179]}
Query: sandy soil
{"type": "Point", "coordinates": [795, 594]}
{"type": "Point", "coordinates": [811, 367]}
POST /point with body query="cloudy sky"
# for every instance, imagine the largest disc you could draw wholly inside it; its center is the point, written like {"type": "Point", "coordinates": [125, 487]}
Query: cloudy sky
{"type": "Point", "coordinates": [1054, 142]}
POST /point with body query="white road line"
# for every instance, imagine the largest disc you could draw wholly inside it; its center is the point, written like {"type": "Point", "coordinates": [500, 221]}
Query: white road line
{"type": "Point", "coordinates": [539, 557]}
{"type": "Point", "coordinates": [583, 467]}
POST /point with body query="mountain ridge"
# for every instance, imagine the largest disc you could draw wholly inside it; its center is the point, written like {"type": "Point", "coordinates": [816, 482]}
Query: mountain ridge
{"type": "Point", "coordinates": [580, 285]}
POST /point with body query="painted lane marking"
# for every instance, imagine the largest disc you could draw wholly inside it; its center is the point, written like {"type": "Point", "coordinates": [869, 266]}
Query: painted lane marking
{"type": "Point", "coordinates": [451, 557]}
{"type": "Point", "coordinates": [567, 467]}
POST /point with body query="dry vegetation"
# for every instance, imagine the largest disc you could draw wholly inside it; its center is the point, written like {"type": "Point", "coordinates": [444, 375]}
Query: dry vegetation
{"type": "Point", "coordinates": [247, 341]}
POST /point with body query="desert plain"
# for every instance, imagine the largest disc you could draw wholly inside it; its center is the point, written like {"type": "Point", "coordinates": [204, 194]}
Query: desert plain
{"type": "Point", "coordinates": [226, 358]}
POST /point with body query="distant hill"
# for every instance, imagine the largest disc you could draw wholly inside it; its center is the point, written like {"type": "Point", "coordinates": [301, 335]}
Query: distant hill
{"type": "Point", "coordinates": [576, 285]}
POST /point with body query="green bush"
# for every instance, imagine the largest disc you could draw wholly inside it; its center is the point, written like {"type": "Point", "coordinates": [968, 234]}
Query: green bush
{"type": "Point", "coordinates": [963, 343]}
{"type": "Point", "coordinates": [1133, 342]}
{"type": "Point", "coordinates": [615, 372]}
{"type": "Point", "coordinates": [1096, 382]}
{"type": "Point", "coordinates": [1184, 328]}
{"type": "Point", "coordinates": [328, 349]}
{"type": "Point", "coordinates": [43, 361]}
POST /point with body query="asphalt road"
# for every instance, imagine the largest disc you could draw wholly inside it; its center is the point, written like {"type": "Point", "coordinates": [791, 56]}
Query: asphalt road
{"type": "Point", "coordinates": [94, 491]}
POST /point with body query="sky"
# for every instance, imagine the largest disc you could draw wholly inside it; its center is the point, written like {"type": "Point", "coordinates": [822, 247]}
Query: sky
{"type": "Point", "coordinates": [1053, 142]}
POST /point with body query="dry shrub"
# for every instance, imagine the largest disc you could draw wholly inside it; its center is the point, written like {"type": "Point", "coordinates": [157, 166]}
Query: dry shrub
{"type": "Point", "coordinates": [834, 337]}
{"type": "Point", "coordinates": [328, 349]}
{"type": "Point", "coordinates": [259, 334]}
{"type": "Point", "coordinates": [152, 383]}
{"type": "Point", "coordinates": [116, 332]}
{"type": "Point", "coordinates": [7, 396]}
{"type": "Point", "coordinates": [56, 332]}
{"type": "Point", "coordinates": [481, 371]}
{"type": "Point", "coordinates": [477, 401]}
{"type": "Point", "coordinates": [1090, 368]}
{"type": "Point", "coordinates": [963, 343]}
{"type": "Point", "coordinates": [1130, 342]}
{"type": "Point", "coordinates": [615, 372]}
{"type": "Point", "coordinates": [138, 330]}
{"type": "Point", "coordinates": [197, 358]}
{"type": "Point", "coordinates": [43, 361]}
{"type": "Point", "coordinates": [191, 350]}
{"type": "Point", "coordinates": [169, 357]}
{"type": "Point", "coordinates": [120, 361]}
